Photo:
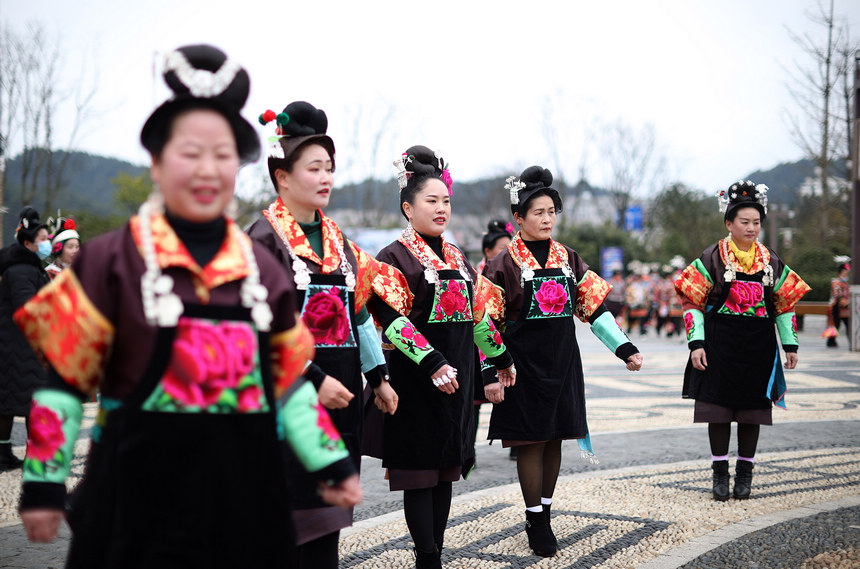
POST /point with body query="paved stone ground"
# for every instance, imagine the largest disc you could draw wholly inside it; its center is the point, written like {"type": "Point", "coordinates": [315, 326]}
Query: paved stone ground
{"type": "Point", "coordinates": [647, 503]}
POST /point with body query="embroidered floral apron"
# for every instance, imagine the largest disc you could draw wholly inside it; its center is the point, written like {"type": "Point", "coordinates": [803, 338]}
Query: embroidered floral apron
{"type": "Point", "coordinates": [172, 467]}
{"type": "Point", "coordinates": [432, 429]}
{"type": "Point", "coordinates": [741, 348]}
{"type": "Point", "coordinates": [328, 311]}
{"type": "Point", "coordinates": [548, 400]}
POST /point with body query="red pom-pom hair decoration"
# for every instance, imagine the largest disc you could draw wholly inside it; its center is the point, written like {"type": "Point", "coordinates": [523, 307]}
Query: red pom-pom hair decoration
{"type": "Point", "coordinates": [69, 224]}
{"type": "Point", "coordinates": [267, 117]}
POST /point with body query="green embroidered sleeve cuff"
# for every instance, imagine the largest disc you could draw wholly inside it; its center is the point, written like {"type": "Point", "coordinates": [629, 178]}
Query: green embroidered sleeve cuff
{"type": "Point", "coordinates": [55, 419]}
{"type": "Point", "coordinates": [310, 431]}
{"type": "Point", "coordinates": [487, 338]}
{"type": "Point", "coordinates": [694, 323]}
{"type": "Point", "coordinates": [786, 325]}
{"type": "Point", "coordinates": [607, 331]}
{"type": "Point", "coordinates": [406, 338]}
{"type": "Point", "coordinates": [369, 346]}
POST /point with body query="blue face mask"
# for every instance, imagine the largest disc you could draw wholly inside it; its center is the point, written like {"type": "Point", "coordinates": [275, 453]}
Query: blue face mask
{"type": "Point", "coordinates": [44, 249]}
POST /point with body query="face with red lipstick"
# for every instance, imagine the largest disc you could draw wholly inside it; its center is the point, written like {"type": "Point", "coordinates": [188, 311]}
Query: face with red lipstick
{"type": "Point", "coordinates": [197, 168]}
{"type": "Point", "coordinates": [430, 211]}
{"type": "Point", "coordinates": [744, 227]}
{"type": "Point", "coordinates": [307, 187]}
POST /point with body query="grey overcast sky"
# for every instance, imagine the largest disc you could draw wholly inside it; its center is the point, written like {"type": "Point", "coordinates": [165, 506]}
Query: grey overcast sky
{"type": "Point", "coordinates": [469, 77]}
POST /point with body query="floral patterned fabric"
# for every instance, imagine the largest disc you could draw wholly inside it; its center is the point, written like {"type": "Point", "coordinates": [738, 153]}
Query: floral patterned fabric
{"type": "Point", "coordinates": [746, 298]}
{"type": "Point", "coordinates": [551, 298]}
{"type": "Point", "coordinates": [53, 428]}
{"type": "Point", "coordinates": [326, 314]}
{"type": "Point", "coordinates": [67, 330]}
{"type": "Point", "coordinates": [451, 302]}
{"type": "Point", "coordinates": [214, 368]}
{"type": "Point", "coordinates": [695, 283]}
{"type": "Point", "coordinates": [788, 291]}
{"type": "Point", "coordinates": [591, 291]}
{"type": "Point", "coordinates": [291, 352]}
{"type": "Point", "coordinates": [406, 338]}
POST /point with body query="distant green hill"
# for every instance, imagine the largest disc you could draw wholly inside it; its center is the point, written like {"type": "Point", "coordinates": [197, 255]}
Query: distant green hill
{"type": "Point", "coordinates": [87, 187]}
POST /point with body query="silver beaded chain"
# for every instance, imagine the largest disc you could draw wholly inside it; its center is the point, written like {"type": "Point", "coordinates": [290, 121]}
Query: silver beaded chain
{"type": "Point", "coordinates": [430, 271]}
{"type": "Point", "coordinates": [302, 275]}
{"type": "Point", "coordinates": [527, 273]}
{"type": "Point", "coordinates": [162, 307]}
{"type": "Point", "coordinates": [732, 271]}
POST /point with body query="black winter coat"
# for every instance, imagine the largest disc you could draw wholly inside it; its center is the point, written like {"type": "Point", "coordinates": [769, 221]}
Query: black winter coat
{"type": "Point", "coordinates": [21, 276]}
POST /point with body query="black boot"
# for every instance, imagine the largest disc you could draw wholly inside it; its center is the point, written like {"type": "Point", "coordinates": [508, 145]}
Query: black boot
{"type": "Point", "coordinates": [743, 479]}
{"type": "Point", "coordinates": [721, 480]}
{"type": "Point", "coordinates": [8, 461]}
{"type": "Point", "coordinates": [546, 508]}
{"type": "Point", "coordinates": [428, 559]}
{"type": "Point", "coordinates": [540, 536]}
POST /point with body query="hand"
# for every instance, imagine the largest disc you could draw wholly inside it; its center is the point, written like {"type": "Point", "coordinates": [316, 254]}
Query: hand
{"type": "Point", "coordinates": [42, 524]}
{"type": "Point", "coordinates": [445, 379]}
{"type": "Point", "coordinates": [333, 394]}
{"type": "Point", "coordinates": [790, 360]}
{"type": "Point", "coordinates": [386, 398]}
{"type": "Point", "coordinates": [345, 494]}
{"type": "Point", "coordinates": [508, 376]}
{"type": "Point", "coordinates": [494, 392]}
{"type": "Point", "coordinates": [634, 362]}
{"type": "Point", "coordinates": [700, 361]}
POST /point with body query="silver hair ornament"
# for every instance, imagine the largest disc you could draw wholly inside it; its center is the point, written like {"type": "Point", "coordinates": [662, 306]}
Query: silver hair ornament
{"type": "Point", "coordinates": [514, 185]}
{"type": "Point", "coordinates": [201, 82]}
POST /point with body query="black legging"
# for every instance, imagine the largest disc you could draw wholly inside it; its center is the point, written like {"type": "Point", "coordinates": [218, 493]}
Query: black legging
{"type": "Point", "coordinates": [719, 434]}
{"type": "Point", "coordinates": [537, 468]}
{"type": "Point", "coordinates": [426, 511]}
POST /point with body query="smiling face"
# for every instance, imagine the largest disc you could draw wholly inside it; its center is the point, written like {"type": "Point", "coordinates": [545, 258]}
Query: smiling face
{"type": "Point", "coordinates": [70, 249]}
{"type": "Point", "coordinates": [430, 211]}
{"type": "Point", "coordinates": [196, 171]}
{"type": "Point", "coordinates": [745, 227]}
{"type": "Point", "coordinates": [307, 187]}
{"type": "Point", "coordinates": [539, 219]}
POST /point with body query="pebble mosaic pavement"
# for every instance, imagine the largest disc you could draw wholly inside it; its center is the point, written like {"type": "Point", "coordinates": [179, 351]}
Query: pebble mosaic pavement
{"type": "Point", "coordinates": [647, 504]}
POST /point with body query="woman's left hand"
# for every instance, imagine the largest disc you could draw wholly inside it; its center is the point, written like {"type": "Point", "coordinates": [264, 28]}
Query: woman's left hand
{"type": "Point", "coordinates": [508, 376]}
{"type": "Point", "coordinates": [634, 362]}
{"type": "Point", "coordinates": [386, 398]}
{"type": "Point", "coordinates": [790, 360]}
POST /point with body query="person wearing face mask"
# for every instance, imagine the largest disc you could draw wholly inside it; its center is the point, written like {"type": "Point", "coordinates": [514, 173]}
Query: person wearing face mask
{"type": "Point", "coordinates": [546, 285]}
{"type": "Point", "coordinates": [840, 308]}
{"type": "Point", "coordinates": [21, 276]}
{"type": "Point", "coordinates": [733, 295]}
{"type": "Point", "coordinates": [428, 444]}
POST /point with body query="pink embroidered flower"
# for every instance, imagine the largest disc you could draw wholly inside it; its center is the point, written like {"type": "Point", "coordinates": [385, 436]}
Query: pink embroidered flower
{"type": "Point", "coordinates": [240, 343]}
{"type": "Point", "coordinates": [794, 323]}
{"type": "Point", "coordinates": [743, 296]}
{"type": "Point", "coordinates": [325, 423]}
{"type": "Point", "coordinates": [420, 340]}
{"type": "Point", "coordinates": [45, 436]}
{"type": "Point", "coordinates": [326, 317]}
{"type": "Point", "coordinates": [452, 300]}
{"type": "Point", "coordinates": [449, 182]}
{"type": "Point", "coordinates": [455, 286]}
{"type": "Point", "coordinates": [407, 331]}
{"type": "Point", "coordinates": [509, 227]}
{"type": "Point", "coordinates": [481, 356]}
{"type": "Point", "coordinates": [249, 399]}
{"type": "Point", "coordinates": [439, 314]}
{"type": "Point", "coordinates": [761, 311]}
{"type": "Point", "coordinates": [689, 323]}
{"type": "Point", "coordinates": [497, 338]}
{"type": "Point", "coordinates": [551, 297]}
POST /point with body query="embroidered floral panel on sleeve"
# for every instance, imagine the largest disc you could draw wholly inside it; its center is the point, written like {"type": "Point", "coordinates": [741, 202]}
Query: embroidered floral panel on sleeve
{"type": "Point", "coordinates": [590, 292]}
{"type": "Point", "coordinates": [55, 419]}
{"type": "Point", "coordinates": [695, 283]}
{"type": "Point", "coordinates": [65, 327]}
{"type": "Point", "coordinates": [788, 291]}
{"type": "Point", "coordinates": [489, 298]}
{"type": "Point", "coordinates": [381, 279]}
{"type": "Point", "coordinates": [291, 352]}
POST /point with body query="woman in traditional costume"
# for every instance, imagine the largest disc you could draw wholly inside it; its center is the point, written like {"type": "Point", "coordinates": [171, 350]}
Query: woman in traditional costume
{"type": "Point", "coordinates": [839, 311]}
{"type": "Point", "coordinates": [546, 284]}
{"type": "Point", "coordinates": [188, 330]}
{"type": "Point", "coordinates": [428, 444]}
{"type": "Point", "coordinates": [65, 244]}
{"type": "Point", "coordinates": [334, 279]}
{"type": "Point", "coordinates": [733, 295]}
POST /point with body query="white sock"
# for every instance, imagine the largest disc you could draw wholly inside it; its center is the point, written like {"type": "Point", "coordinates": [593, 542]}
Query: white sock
{"type": "Point", "coordinates": [534, 509]}
{"type": "Point", "coordinates": [546, 501]}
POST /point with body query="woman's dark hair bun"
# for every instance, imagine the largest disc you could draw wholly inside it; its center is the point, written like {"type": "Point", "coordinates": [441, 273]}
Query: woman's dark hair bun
{"type": "Point", "coordinates": [536, 176]}
{"type": "Point", "coordinates": [305, 119]}
{"type": "Point", "coordinates": [496, 226]}
{"type": "Point", "coordinates": [422, 161]}
{"type": "Point", "coordinates": [29, 213]}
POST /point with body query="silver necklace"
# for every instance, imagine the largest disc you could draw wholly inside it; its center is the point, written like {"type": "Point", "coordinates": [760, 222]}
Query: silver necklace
{"type": "Point", "coordinates": [431, 274]}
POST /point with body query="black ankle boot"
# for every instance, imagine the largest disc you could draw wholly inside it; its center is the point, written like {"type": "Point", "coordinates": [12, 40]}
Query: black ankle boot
{"type": "Point", "coordinates": [546, 509]}
{"type": "Point", "coordinates": [540, 536]}
{"type": "Point", "coordinates": [8, 461]}
{"type": "Point", "coordinates": [743, 479]}
{"type": "Point", "coordinates": [721, 480]}
{"type": "Point", "coordinates": [428, 559]}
